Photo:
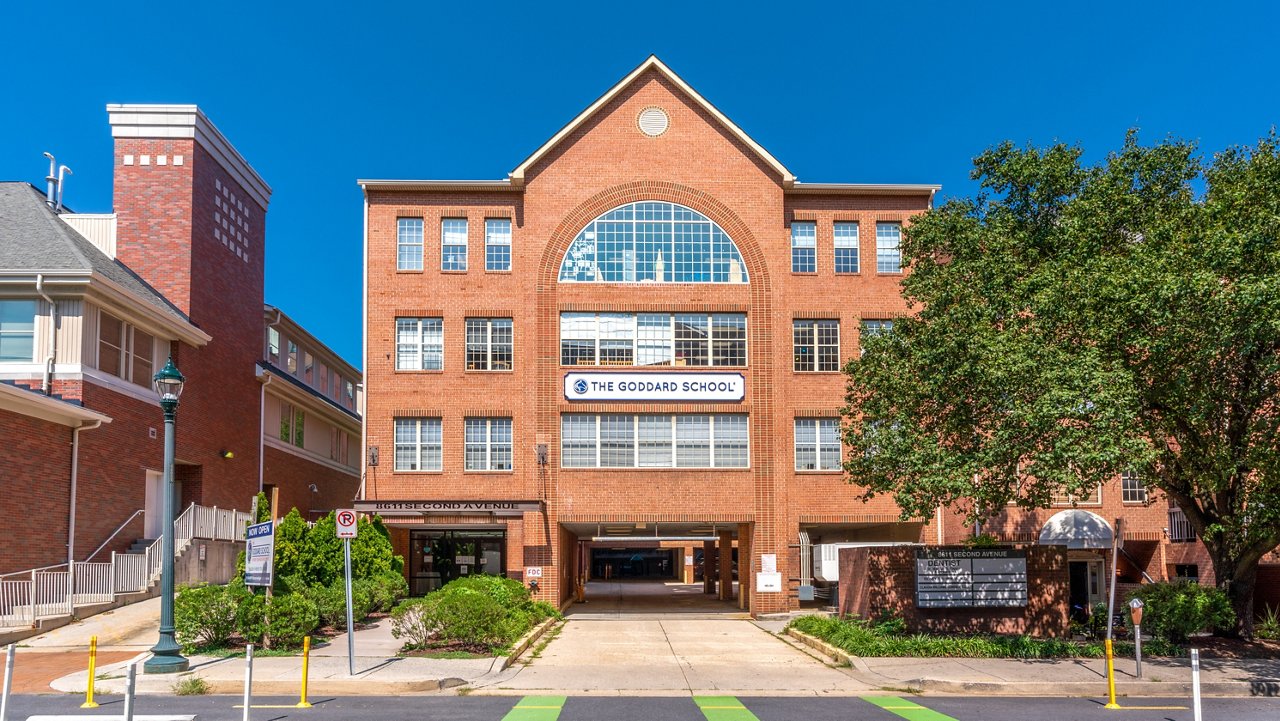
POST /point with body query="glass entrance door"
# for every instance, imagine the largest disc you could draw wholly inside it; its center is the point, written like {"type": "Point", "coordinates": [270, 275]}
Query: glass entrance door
{"type": "Point", "coordinates": [438, 557]}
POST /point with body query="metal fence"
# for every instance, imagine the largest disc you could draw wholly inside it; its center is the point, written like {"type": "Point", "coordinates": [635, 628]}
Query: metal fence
{"type": "Point", "coordinates": [53, 591]}
{"type": "Point", "coordinates": [1180, 530]}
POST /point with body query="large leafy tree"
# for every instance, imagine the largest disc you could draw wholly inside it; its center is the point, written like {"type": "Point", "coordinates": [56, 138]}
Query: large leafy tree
{"type": "Point", "coordinates": [1074, 321]}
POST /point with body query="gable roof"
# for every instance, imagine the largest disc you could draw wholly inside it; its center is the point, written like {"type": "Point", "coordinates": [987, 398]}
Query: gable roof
{"type": "Point", "coordinates": [34, 239]}
{"type": "Point", "coordinates": [651, 63]}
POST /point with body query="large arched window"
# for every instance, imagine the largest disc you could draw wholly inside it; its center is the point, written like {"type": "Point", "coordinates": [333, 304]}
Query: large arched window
{"type": "Point", "coordinates": [653, 242]}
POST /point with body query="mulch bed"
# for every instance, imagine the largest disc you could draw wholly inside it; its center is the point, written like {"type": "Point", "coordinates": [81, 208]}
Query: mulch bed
{"type": "Point", "coordinates": [1215, 647]}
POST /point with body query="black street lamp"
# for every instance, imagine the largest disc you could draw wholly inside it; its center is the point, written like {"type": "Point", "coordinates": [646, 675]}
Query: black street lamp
{"type": "Point", "coordinates": [166, 656]}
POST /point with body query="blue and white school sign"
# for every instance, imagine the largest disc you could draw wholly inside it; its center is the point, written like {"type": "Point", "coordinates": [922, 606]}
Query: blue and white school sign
{"type": "Point", "coordinates": [259, 552]}
{"type": "Point", "coordinates": [673, 386]}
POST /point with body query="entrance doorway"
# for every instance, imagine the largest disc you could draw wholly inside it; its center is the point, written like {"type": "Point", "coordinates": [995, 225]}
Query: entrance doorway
{"type": "Point", "coordinates": [637, 563]}
{"type": "Point", "coordinates": [437, 557]}
{"type": "Point", "coordinates": [1085, 587]}
{"type": "Point", "coordinates": [153, 499]}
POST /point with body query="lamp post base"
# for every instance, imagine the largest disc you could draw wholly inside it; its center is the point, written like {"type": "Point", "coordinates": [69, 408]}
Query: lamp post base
{"type": "Point", "coordinates": [168, 663]}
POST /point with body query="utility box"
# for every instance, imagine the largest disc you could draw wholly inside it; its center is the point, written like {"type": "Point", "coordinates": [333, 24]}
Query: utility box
{"type": "Point", "coordinates": [826, 557]}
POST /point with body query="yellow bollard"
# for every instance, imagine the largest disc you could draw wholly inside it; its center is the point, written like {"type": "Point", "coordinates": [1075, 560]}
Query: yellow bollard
{"type": "Point", "coordinates": [93, 665]}
{"type": "Point", "coordinates": [306, 660]}
{"type": "Point", "coordinates": [1111, 679]}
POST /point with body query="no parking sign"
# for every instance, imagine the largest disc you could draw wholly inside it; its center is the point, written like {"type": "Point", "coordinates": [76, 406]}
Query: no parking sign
{"type": "Point", "coordinates": [345, 520]}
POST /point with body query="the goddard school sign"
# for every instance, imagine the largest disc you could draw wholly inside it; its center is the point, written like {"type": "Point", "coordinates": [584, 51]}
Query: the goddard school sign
{"type": "Point", "coordinates": [447, 508]}
{"type": "Point", "coordinates": [968, 577]}
{"type": "Point", "coordinates": [674, 386]}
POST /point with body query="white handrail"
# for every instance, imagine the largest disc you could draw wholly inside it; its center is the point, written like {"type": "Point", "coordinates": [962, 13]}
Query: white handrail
{"type": "Point", "coordinates": [114, 534]}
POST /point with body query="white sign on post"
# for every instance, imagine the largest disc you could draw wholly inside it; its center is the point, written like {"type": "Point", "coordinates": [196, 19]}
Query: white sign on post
{"type": "Point", "coordinates": [345, 521]}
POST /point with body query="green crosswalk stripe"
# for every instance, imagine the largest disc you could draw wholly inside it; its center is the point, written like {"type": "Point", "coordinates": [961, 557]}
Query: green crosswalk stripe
{"type": "Point", "coordinates": [909, 710]}
{"type": "Point", "coordinates": [536, 708]}
{"type": "Point", "coordinates": [723, 708]}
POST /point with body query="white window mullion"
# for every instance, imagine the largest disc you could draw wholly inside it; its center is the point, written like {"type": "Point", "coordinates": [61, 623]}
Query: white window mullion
{"type": "Point", "coordinates": [597, 417]}
{"type": "Point", "coordinates": [711, 428]}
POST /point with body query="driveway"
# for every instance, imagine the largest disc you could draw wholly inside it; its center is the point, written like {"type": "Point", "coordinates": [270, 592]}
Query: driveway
{"type": "Point", "coordinates": [673, 656]}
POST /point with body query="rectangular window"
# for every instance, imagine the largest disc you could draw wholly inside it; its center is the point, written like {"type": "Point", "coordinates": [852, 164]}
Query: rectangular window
{"type": "Point", "coordinates": [1132, 489]}
{"type": "Point", "coordinates": [339, 445]}
{"type": "Point", "coordinates": [846, 247]}
{"type": "Point", "coordinates": [299, 427]}
{"type": "Point", "coordinates": [349, 399]}
{"type": "Point", "coordinates": [308, 367]}
{"type": "Point", "coordinates": [419, 344]}
{"type": "Point", "coordinates": [653, 339]}
{"type": "Point", "coordinates": [871, 329]}
{"type": "Point", "coordinates": [409, 244]}
{"type": "Point", "coordinates": [291, 362]}
{"type": "Point", "coordinates": [488, 444]}
{"type": "Point", "coordinates": [804, 247]}
{"type": "Point", "coordinates": [1094, 498]}
{"type": "Point", "coordinates": [17, 331]}
{"type": "Point", "coordinates": [1187, 572]}
{"type": "Point", "coordinates": [419, 444]}
{"type": "Point", "coordinates": [286, 422]}
{"type": "Point", "coordinates": [489, 344]}
{"type": "Point", "coordinates": [654, 441]}
{"type": "Point", "coordinates": [888, 254]}
{"type": "Point", "coordinates": [273, 346]}
{"type": "Point", "coordinates": [497, 244]}
{"type": "Point", "coordinates": [125, 351]}
{"type": "Point", "coordinates": [453, 244]}
{"type": "Point", "coordinates": [111, 345]}
{"type": "Point", "coordinates": [141, 352]}
{"type": "Point", "coordinates": [817, 443]}
{"type": "Point", "coordinates": [816, 345]}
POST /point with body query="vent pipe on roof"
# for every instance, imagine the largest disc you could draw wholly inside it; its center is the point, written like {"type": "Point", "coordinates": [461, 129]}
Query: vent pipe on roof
{"type": "Point", "coordinates": [61, 169]}
{"type": "Point", "coordinates": [51, 179]}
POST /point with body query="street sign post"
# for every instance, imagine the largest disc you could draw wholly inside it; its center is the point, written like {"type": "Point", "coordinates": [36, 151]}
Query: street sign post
{"type": "Point", "coordinates": [345, 524]}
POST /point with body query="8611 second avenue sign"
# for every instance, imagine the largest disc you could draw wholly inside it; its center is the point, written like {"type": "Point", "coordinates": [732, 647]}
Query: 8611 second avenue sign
{"type": "Point", "coordinates": [673, 386]}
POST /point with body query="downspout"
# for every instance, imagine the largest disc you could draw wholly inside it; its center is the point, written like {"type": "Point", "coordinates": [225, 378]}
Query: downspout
{"type": "Point", "coordinates": [75, 467]}
{"type": "Point", "coordinates": [46, 385]}
{"type": "Point", "coordinates": [364, 352]}
{"type": "Point", "coordinates": [938, 522]}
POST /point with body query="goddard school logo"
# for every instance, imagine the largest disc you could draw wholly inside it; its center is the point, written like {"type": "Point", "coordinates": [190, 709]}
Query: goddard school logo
{"type": "Point", "coordinates": [580, 386]}
{"type": "Point", "coordinates": [669, 386]}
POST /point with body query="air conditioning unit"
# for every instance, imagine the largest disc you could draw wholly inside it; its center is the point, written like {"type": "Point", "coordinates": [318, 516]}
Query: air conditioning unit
{"type": "Point", "coordinates": [826, 556]}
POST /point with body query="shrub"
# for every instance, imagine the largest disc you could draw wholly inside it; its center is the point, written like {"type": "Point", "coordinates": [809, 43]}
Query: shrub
{"type": "Point", "coordinates": [290, 617]}
{"type": "Point", "coordinates": [331, 603]}
{"type": "Point", "coordinates": [1175, 610]}
{"type": "Point", "coordinates": [385, 589]}
{"type": "Point", "coordinates": [251, 618]}
{"type": "Point", "coordinates": [191, 686]}
{"type": "Point", "coordinates": [416, 621]}
{"type": "Point", "coordinates": [204, 616]}
{"type": "Point", "coordinates": [481, 613]}
{"type": "Point", "coordinates": [509, 593]}
{"type": "Point", "coordinates": [1268, 624]}
{"type": "Point", "coordinates": [291, 537]}
{"type": "Point", "coordinates": [321, 561]}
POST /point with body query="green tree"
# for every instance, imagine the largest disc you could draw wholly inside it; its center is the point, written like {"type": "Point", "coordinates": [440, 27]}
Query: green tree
{"type": "Point", "coordinates": [371, 552]}
{"type": "Point", "coordinates": [322, 553]}
{"type": "Point", "coordinates": [262, 507]}
{"type": "Point", "coordinates": [291, 539]}
{"type": "Point", "coordinates": [1074, 321]}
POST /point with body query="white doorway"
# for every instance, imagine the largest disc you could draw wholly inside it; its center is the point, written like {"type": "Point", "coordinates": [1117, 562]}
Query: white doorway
{"type": "Point", "coordinates": [153, 518]}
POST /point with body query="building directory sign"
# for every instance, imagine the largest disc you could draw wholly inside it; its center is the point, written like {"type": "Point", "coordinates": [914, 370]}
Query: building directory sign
{"type": "Point", "coordinates": [692, 387]}
{"type": "Point", "coordinates": [968, 577]}
{"type": "Point", "coordinates": [259, 552]}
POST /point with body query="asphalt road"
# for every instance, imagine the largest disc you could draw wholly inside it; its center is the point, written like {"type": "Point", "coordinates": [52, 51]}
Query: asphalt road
{"type": "Point", "coordinates": [583, 708]}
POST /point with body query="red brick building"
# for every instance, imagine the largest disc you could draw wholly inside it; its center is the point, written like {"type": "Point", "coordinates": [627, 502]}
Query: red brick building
{"type": "Point", "coordinates": [91, 305]}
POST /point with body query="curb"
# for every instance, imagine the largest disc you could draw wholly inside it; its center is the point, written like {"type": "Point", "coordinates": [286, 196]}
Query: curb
{"type": "Point", "coordinates": [1134, 689]}
{"type": "Point", "coordinates": [525, 642]}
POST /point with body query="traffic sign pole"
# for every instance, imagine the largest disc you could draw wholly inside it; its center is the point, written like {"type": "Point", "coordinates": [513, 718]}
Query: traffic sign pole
{"type": "Point", "coordinates": [345, 525]}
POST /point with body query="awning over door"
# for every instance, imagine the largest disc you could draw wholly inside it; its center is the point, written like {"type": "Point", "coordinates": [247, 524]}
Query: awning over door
{"type": "Point", "coordinates": [1076, 529]}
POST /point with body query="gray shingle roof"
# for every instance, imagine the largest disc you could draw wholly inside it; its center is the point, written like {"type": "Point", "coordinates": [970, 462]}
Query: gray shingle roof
{"type": "Point", "coordinates": [34, 238]}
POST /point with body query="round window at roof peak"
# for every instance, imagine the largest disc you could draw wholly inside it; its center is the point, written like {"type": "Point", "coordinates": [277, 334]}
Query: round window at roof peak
{"type": "Point", "coordinates": [652, 242]}
{"type": "Point", "coordinates": [653, 121]}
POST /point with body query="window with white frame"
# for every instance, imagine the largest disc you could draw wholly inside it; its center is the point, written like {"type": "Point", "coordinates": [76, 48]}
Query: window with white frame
{"type": "Point", "coordinates": [497, 244]}
{"type": "Point", "coordinates": [349, 395]}
{"type": "Point", "coordinates": [1093, 498]}
{"type": "Point", "coordinates": [652, 242]}
{"type": "Point", "coordinates": [817, 443]}
{"type": "Point", "coordinates": [419, 344]}
{"type": "Point", "coordinates": [816, 345]}
{"type": "Point", "coordinates": [291, 360]}
{"type": "Point", "coordinates": [871, 329]}
{"type": "Point", "coordinates": [409, 244]}
{"type": "Point", "coordinates": [419, 444]}
{"type": "Point", "coordinates": [339, 445]}
{"type": "Point", "coordinates": [293, 424]}
{"type": "Point", "coordinates": [1132, 489]}
{"type": "Point", "coordinates": [453, 244]}
{"type": "Point", "coordinates": [125, 351]}
{"type": "Point", "coordinates": [488, 444]}
{"type": "Point", "coordinates": [888, 252]}
{"type": "Point", "coordinates": [653, 339]}
{"type": "Point", "coordinates": [804, 246]}
{"type": "Point", "coordinates": [654, 441]}
{"type": "Point", "coordinates": [17, 331]}
{"type": "Point", "coordinates": [273, 346]}
{"type": "Point", "coordinates": [308, 367]}
{"type": "Point", "coordinates": [489, 344]}
{"type": "Point", "coordinates": [846, 246]}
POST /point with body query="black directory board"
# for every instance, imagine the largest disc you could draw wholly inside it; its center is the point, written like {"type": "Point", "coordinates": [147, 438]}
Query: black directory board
{"type": "Point", "coordinates": [968, 577]}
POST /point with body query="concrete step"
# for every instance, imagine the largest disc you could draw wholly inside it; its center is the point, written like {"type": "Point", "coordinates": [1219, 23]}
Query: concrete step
{"type": "Point", "coordinates": [140, 545]}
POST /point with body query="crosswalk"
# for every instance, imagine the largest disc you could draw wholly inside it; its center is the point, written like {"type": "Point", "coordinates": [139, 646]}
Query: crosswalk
{"type": "Point", "coordinates": [730, 708]}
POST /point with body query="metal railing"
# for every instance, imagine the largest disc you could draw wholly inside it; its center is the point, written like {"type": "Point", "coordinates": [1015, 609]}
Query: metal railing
{"type": "Point", "coordinates": [1180, 530]}
{"type": "Point", "coordinates": [53, 591]}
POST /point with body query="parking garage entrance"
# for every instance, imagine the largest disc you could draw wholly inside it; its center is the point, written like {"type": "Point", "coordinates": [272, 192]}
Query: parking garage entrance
{"type": "Point", "coordinates": [627, 568]}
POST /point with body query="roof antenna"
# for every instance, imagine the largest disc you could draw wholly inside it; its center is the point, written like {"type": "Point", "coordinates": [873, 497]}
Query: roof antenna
{"type": "Point", "coordinates": [51, 179]}
{"type": "Point", "coordinates": [61, 170]}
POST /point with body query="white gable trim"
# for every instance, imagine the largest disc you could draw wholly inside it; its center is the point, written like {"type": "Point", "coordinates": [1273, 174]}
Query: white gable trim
{"type": "Point", "coordinates": [517, 175]}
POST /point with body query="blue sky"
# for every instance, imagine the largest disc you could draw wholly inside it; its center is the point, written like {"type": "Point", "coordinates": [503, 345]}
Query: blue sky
{"type": "Point", "coordinates": [316, 95]}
